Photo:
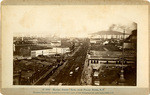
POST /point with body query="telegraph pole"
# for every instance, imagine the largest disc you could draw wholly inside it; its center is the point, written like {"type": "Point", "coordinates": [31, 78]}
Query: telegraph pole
{"type": "Point", "coordinates": [122, 79]}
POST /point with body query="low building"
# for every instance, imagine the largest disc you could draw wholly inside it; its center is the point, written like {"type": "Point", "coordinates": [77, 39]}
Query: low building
{"type": "Point", "coordinates": [55, 43]}
{"type": "Point", "coordinates": [35, 53]}
{"type": "Point", "coordinates": [93, 41]}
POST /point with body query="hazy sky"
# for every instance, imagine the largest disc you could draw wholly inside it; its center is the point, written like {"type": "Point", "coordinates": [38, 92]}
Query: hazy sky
{"type": "Point", "coordinates": [69, 20]}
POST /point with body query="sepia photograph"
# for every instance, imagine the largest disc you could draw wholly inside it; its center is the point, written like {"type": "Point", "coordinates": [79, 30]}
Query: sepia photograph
{"type": "Point", "coordinates": [78, 46]}
{"type": "Point", "coordinates": [81, 47]}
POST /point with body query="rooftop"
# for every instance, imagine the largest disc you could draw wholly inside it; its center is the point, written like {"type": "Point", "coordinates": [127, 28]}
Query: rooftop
{"type": "Point", "coordinates": [109, 54]}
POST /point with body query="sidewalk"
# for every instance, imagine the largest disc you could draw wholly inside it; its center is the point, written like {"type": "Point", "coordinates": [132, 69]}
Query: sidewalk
{"type": "Point", "coordinates": [86, 75]}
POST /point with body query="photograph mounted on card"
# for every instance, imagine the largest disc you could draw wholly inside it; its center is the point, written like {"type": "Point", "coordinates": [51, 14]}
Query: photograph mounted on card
{"type": "Point", "coordinates": [98, 45]}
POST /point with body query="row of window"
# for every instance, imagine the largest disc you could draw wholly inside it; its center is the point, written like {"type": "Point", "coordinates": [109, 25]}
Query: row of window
{"type": "Point", "coordinates": [117, 62]}
{"type": "Point", "coordinates": [96, 61]}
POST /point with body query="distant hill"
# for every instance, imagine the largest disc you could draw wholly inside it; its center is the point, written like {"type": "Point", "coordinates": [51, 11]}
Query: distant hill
{"type": "Point", "coordinates": [108, 33]}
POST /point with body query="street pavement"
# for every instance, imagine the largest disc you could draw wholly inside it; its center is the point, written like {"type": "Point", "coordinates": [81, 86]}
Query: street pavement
{"type": "Point", "coordinates": [71, 73]}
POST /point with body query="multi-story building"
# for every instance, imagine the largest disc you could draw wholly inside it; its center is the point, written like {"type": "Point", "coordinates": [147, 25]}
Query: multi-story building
{"type": "Point", "coordinates": [57, 50]}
